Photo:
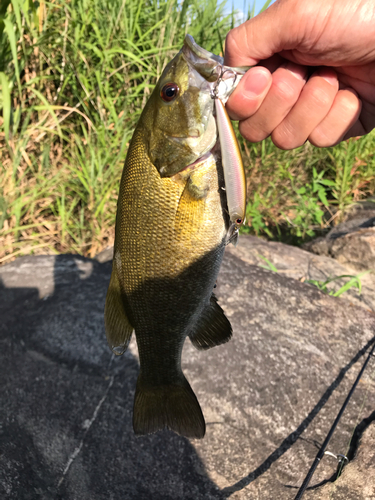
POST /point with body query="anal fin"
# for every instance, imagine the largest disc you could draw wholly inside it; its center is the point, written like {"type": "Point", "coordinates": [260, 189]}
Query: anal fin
{"type": "Point", "coordinates": [213, 327]}
{"type": "Point", "coordinates": [117, 326]}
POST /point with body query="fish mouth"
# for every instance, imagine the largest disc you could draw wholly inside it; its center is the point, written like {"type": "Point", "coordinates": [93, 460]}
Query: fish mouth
{"type": "Point", "coordinates": [211, 67]}
{"type": "Point", "coordinates": [197, 162]}
{"type": "Point", "coordinates": [183, 138]}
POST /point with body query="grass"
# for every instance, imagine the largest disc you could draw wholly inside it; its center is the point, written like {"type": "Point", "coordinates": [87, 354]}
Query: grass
{"type": "Point", "coordinates": [74, 77]}
{"type": "Point", "coordinates": [325, 286]}
{"type": "Point", "coordinates": [354, 281]}
{"type": "Point", "coordinates": [295, 195]}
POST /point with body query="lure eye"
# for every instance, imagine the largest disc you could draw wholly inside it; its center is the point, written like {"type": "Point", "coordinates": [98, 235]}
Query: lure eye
{"type": "Point", "coordinates": [169, 92]}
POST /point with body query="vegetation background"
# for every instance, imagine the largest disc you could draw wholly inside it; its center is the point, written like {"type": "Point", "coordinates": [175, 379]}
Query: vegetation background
{"type": "Point", "coordinates": [74, 77]}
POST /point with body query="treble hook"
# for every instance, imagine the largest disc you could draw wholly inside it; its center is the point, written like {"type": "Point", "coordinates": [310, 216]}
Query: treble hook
{"type": "Point", "coordinates": [220, 78]}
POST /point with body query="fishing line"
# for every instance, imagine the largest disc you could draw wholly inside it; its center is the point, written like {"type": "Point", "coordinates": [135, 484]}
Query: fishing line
{"type": "Point", "coordinates": [342, 462]}
{"type": "Point", "coordinates": [320, 453]}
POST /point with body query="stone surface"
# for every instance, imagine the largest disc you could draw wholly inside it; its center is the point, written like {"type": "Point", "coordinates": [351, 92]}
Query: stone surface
{"type": "Point", "coordinates": [269, 396]}
{"type": "Point", "coordinates": [353, 484]}
{"type": "Point", "coordinates": [302, 265]}
{"type": "Point", "coordinates": [352, 242]}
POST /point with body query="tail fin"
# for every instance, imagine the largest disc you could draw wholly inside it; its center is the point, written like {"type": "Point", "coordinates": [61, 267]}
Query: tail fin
{"type": "Point", "coordinates": [172, 406]}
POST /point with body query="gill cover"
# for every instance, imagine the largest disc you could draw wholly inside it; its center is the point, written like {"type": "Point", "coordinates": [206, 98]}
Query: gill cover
{"type": "Point", "coordinates": [222, 80]}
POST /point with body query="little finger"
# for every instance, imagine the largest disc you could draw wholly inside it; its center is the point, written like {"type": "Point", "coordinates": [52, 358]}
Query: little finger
{"type": "Point", "coordinates": [341, 118]}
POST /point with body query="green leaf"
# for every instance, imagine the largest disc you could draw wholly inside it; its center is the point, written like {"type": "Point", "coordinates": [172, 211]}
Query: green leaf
{"type": "Point", "coordinates": [354, 282]}
{"type": "Point", "coordinates": [269, 266]}
{"type": "Point", "coordinates": [9, 29]}
{"type": "Point", "coordinates": [5, 93]}
{"type": "Point", "coordinates": [327, 182]}
{"type": "Point", "coordinates": [322, 197]}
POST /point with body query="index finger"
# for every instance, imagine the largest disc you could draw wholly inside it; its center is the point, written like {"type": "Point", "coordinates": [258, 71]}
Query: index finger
{"type": "Point", "coordinates": [249, 94]}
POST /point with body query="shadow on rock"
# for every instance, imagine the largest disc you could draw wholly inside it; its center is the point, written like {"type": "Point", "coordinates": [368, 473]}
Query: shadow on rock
{"type": "Point", "coordinates": [296, 434]}
{"type": "Point", "coordinates": [66, 401]}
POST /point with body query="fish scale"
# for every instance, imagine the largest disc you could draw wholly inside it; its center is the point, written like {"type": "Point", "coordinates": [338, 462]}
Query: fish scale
{"type": "Point", "coordinates": [171, 231]}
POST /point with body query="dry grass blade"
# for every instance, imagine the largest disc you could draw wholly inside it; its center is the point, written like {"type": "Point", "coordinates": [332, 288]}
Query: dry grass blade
{"type": "Point", "coordinates": [74, 77]}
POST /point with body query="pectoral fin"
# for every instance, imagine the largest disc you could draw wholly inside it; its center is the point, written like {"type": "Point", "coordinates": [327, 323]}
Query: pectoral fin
{"type": "Point", "coordinates": [213, 327]}
{"type": "Point", "coordinates": [117, 326]}
{"type": "Point", "coordinates": [190, 211]}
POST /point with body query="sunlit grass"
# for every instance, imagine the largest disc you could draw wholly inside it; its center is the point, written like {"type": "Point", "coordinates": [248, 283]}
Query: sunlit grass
{"type": "Point", "coordinates": [294, 195]}
{"type": "Point", "coordinates": [74, 77]}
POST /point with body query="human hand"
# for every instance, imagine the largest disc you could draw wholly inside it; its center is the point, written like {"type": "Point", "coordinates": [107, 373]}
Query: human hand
{"type": "Point", "coordinates": [315, 73]}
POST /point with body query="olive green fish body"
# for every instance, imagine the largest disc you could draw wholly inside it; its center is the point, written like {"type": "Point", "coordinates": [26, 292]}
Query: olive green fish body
{"type": "Point", "coordinates": [170, 240]}
{"type": "Point", "coordinates": [171, 231]}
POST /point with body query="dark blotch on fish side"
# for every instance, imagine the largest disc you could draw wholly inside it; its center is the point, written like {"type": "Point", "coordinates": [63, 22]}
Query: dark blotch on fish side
{"type": "Point", "coordinates": [164, 398]}
{"type": "Point", "coordinates": [171, 231]}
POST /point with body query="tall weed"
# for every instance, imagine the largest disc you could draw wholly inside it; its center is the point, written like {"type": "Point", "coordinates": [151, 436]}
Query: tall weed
{"type": "Point", "coordinates": [74, 77]}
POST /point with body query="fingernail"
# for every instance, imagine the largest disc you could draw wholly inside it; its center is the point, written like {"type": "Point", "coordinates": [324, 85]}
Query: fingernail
{"type": "Point", "coordinates": [349, 89]}
{"type": "Point", "coordinates": [256, 83]}
{"type": "Point", "coordinates": [330, 78]}
{"type": "Point", "coordinates": [296, 70]}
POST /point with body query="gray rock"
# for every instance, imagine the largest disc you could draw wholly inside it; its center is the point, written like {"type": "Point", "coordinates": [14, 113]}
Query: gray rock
{"type": "Point", "coordinates": [356, 481]}
{"type": "Point", "coordinates": [304, 266]}
{"type": "Point", "coordinates": [269, 396]}
{"type": "Point", "coordinates": [105, 255]}
{"type": "Point", "coordinates": [352, 242]}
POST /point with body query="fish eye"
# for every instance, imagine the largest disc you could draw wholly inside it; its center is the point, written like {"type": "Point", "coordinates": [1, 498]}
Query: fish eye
{"type": "Point", "coordinates": [169, 92]}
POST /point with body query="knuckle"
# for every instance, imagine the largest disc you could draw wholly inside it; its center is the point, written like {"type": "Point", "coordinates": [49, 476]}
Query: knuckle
{"type": "Point", "coordinates": [285, 91]}
{"type": "Point", "coordinates": [284, 138]}
{"type": "Point", "coordinates": [251, 133]}
{"type": "Point", "coordinates": [231, 43]}
{"type": "Point", "coordinates": [229, 40]}
{"type": "Point", "coordinates": [319, 97]}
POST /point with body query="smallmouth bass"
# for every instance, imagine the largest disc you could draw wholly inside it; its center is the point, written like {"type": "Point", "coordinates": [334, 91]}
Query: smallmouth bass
{"type": "Point", "coordinates": [172, 225]}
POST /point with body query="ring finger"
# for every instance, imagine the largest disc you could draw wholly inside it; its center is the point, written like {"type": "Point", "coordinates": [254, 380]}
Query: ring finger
{"type": "Point", "coordinates": [314, 103]}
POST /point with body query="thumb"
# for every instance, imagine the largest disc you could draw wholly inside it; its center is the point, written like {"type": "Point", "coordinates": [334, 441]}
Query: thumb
{"type": "Point", "coordinates": [261, 37]}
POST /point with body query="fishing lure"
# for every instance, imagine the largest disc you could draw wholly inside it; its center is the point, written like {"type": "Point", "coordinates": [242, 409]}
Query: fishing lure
{"type": "Point", "coordinates": [234, 172]}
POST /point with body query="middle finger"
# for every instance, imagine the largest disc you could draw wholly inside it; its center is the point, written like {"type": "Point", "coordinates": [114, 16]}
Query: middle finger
{"type": "Point", "coordinates": [313, 105]}
{"type": "Point", "coordinates": [287, 83]}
